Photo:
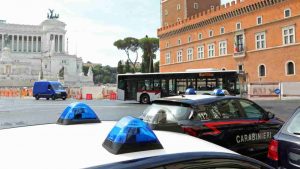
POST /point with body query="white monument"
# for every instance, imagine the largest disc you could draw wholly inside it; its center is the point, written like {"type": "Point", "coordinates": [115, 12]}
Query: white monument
{"type": "Point", "coordinates": [37, 52]}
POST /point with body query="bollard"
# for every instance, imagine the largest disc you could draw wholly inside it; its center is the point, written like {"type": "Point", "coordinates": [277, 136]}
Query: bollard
{"type": "Point", "coordinates": [89, 97]}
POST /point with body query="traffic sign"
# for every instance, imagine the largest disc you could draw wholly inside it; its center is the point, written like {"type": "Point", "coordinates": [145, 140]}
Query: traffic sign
{"type": "Point", "coordinates": [277, 91]}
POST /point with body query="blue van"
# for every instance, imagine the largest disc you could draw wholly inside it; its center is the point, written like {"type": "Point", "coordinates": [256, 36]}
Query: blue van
{"type": "Point", "coordinates": [49, 89]}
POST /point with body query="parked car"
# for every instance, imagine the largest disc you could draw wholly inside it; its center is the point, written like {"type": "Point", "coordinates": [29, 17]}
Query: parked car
{"type": "Point", "coordinates": [49, 89]}
{"type": "Point", "coordinates": [232, 122]}
{"type": "Point", "coordinates": [284, 149]}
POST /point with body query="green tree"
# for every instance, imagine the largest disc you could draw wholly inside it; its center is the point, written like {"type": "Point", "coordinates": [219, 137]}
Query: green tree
{"type": "Point", "coordinates": [120, 67]}
{"type": "Point", "coordinates": [149, 47]}
{"type": "Point", "coordinates": [156, 66]}
{"type": "Point", "coordinates": [85, 69]}
{"type": "Point", "coordinates": [127, 67]}
{"type": "Point", "coordinates": [129, 45]}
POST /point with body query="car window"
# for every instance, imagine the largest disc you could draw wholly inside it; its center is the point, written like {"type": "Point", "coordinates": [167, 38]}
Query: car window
{"type": "Point", "coordinates": [294, 126]}
{"type": "Point", "coordinates": [212, 164]}
{"type": "Point", "coordinates": [225, 109]}
{"type": "Point", "coordinates": [173, 113]}
{"type": "Point", "coordinates": [200, 113]}
{"type": "Point", "coordinates": [251, 109]}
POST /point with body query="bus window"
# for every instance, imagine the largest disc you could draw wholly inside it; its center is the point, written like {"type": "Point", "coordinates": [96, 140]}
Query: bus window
{"type": "Point", "coordinates": [145, 85]}
{"type": "Point", "coordinates": [191, 83]}
{"type": "Point", "coordinates": [201, 84]}
{"type": "Point", "coordinates": [156, 84]}
{"type": "Point", "coordinates": [121, 84]}
{"type": "Point", "coordinates": [172, 87]}
{"type": "Point", "coordinates": [181, 85]}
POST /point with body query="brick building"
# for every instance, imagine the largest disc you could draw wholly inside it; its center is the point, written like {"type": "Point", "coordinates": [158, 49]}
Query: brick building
{"type": "Point", "coordinates": [183, 9]}
{"type": "Point", "coordinates": [259, 37]}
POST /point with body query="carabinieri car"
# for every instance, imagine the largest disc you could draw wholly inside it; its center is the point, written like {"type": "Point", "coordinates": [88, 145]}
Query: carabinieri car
{"type": "Point", "coordinates": [232, 122]}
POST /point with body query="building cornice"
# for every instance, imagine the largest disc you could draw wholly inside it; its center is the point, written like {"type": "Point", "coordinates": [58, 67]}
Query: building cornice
{"type": "Point", "coordinates": [214, 16]}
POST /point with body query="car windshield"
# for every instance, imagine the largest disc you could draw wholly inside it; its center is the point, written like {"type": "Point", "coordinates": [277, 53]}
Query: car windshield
{"type": "Point", "coordinates": [173, 113]}
{"type": "Point", "coordinates": [294, 126]}
{"type": "Point", "coordinates": [57, 86]}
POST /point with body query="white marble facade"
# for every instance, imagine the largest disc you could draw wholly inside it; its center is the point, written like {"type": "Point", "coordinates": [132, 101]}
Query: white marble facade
{"type": "Point", "coordinates": [27, 51]}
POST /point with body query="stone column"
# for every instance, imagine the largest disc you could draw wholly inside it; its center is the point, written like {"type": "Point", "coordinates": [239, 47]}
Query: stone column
{"type": "Point", "coordinates": [2, 41]}
{"type": "Point", "coordinates": [17, 43]}
{"type": "Point", "coordinates": [63, 43]}
{"type": "Point", "coordinates": [36, 43]}
{"type": "Point", "coordinates": [27, 43]}
{"type": "Point", "coordinates": [31, 43]}
{"type": "Point", "coordinates": [12, 43]}
{"type": "Point", "coordinates": [58, 43]}
{"type": "Point", "coordinates": [22, 43]}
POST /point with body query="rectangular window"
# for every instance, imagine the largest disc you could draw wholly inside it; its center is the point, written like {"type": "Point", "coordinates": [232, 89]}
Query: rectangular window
{"type": "Point", "coordinates": [211, 50]}
{"type": "Point", "coordinates": [288, 35]}
{"type": "Point", "coordinates": [222, 30]}
{"type": "Point", "coordinates": [241, 67]}
{"type": "Point", "coordinates": [238, 26]}
{"type": "Point", "coordinates": [200, 36]}
{"type": "Point", "coordinates": [167, 44]}
{"type": "Point", "coordinates": [190, 54]}
{"type": "Point", "coordinates": [200, 52]}
{"type": "Point", "coordinates": [260, 40]}
{"type": "Point", "coordinates": [196, 6]}
{"type": "Point", "coordinates": [179, 56]}
{"type": "Point", "coordinates": [179, 41]}
{"type": "Point", "coordinates": [168, 58]}
{"type": "Point", "coordinates": [223, 48]}
{"type": "Point", "coordinates": [166, 12]}
{"type": "Point", "coordinates": [211, 33]}
{"type": "Point", "coordinates": [239, 43]}
{"type": "Point", "coordinates": [189, 39]}
{"type": "Point", "coordinates": [259, 20]}
{"type": "Point", "coordinates": [287, 13]}
{"type": "Point", "coordinates": [178, 7]}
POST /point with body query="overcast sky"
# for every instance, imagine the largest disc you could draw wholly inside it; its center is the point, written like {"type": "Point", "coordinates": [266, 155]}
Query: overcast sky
{"type": "Point", "coordinates": [92, 25]}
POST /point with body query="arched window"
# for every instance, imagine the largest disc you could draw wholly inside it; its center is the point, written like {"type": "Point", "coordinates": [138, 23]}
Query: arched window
{"type": "Point", "coordinates": [262, 70]}
{"type": "Point", "coordinates": [290, 68]}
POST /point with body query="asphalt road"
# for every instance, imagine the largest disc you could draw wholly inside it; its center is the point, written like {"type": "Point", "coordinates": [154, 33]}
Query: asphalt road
{"type": "Point", "coordinates": [24, 112]}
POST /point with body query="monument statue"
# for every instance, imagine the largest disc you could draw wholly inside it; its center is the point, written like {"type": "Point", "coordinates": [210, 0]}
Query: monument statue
{"type": "Point", "coordinates": [51, 14]}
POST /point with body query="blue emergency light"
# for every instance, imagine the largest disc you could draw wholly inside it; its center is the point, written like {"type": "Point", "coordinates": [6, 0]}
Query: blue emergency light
{"type": "Point", "coordinates": [78, 113]}
{"type": "Point", "coordinates": [190, 91]}
{"type": "Point", "coordinates": [131, 135]}
{"type": "Point", "coordinates": [219, 92]}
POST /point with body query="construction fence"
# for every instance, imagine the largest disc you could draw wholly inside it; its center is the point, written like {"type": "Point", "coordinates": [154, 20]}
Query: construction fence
{"type": "Point", "coordinates": [97, 92]}
{"type": "Point", "coordinates": [280, 90]}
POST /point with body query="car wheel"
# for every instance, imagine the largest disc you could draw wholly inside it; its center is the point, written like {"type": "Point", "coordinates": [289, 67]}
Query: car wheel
{"type": "Point", "coordinates": [64, 98]}
{"type": "Point", "coordinates": [37, 97]}
{"type": "Point", "coordinates": [47, 98]}
{"type": "Point", "coordinates": [145, 99]}
{"type": "Point", "coordinates": [53, 97]}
